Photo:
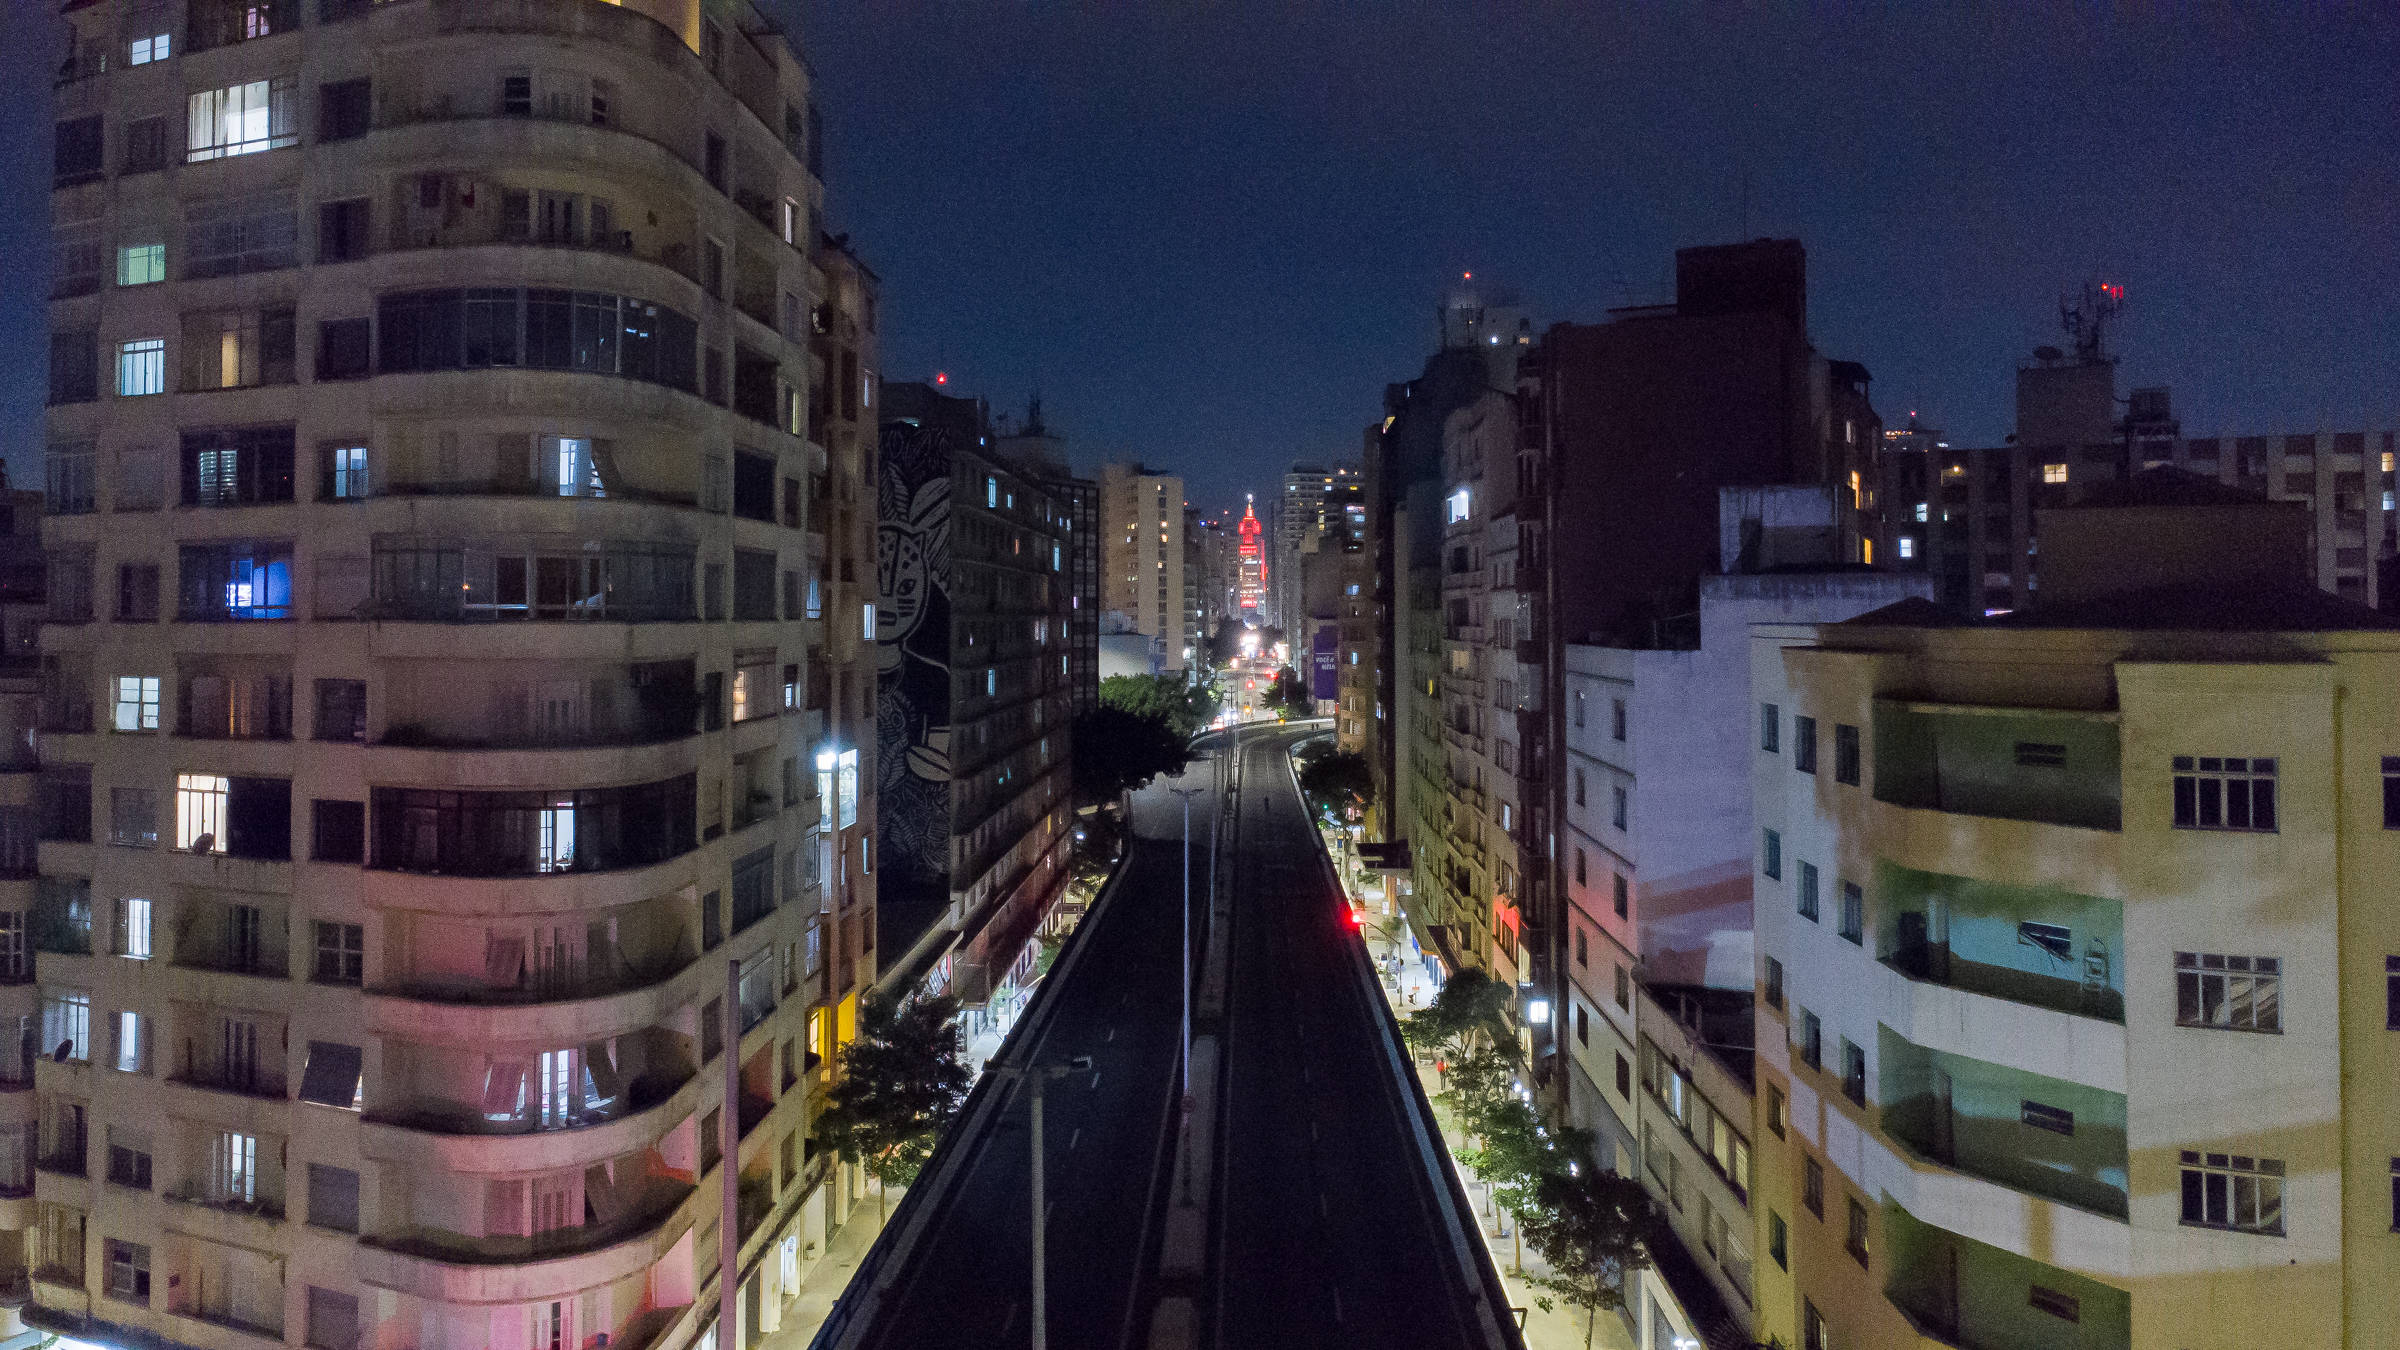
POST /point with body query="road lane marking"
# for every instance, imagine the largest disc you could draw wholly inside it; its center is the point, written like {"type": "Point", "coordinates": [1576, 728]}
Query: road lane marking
{"type": "Point", "coordinates": [1112, 1035]}
{"type": "Point", "coordinates": [1074, 1139]}
{"type": "Point", "coordinates": [1095, 1080]}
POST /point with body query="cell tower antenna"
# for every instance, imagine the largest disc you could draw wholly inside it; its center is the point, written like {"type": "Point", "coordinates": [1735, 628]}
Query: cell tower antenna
{"type": "Point", "coordinates": [2086, 318]}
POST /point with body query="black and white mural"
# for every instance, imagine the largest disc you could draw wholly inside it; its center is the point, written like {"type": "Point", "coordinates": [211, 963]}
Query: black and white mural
{"type": "Point", "coordinates": [912, 687]}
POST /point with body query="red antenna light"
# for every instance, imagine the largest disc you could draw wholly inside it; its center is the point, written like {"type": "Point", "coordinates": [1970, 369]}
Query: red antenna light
{"type": "Point", "coordinates": [941, 377]}
{"type": "Point", "coordinates": [1466, 276]}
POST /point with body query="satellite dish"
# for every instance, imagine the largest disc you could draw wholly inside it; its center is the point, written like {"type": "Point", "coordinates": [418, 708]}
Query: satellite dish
{"type": "Point", "coordinates": [2047, 354]}
{"type": "Point", "coordinates": [206, 843]}
{"type": "Point", "coordinates": [65, 1048]}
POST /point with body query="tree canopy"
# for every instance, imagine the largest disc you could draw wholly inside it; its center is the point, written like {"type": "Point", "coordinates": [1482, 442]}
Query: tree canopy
{"type": "Point", "coordinates": [1187, 708]}
{"type": "Point", "coordinates": [899, 1085]}
{"type": "Point", "coordinates": [1290, 693]}
{"type": "Point", "coordinates": [1117, 750]}
{"type": "Point", "coordinates": [1336, 779]}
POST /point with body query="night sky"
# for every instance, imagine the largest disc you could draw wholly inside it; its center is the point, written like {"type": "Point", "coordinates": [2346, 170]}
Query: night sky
{"type": "Point", "coordinates": [1211, 233]}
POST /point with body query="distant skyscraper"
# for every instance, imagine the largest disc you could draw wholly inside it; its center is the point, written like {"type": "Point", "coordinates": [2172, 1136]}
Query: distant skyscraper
{"type": "Point", "coordinates": [1142, 555]}
{"type": "Point", "coordinates": [1251, 563]}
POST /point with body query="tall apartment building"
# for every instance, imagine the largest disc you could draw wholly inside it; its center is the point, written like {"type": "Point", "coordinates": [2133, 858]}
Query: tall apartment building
{"type": "Point", "coordinates": [1979, 516]}
{"type": "Point", "coordinates": [1315, 499]}
{"type": "Point", "coordinates": [1250, 566]}
{"type": "Point", "coordinates": [1655, 972]}
{"type": "Point", "coordinates": [454, 730]}
{"type": "Point", "coordinates": [975, 704]}
{"type": "Point", "coordinates": [1042, 453]}
{"type": "Point", "coordinates": [1142, 556]}
{"type": "Point", "coordinates": [1359, 654]}
{"type": "Point", "coordinates": [1210, 559]}
{"type": "Point", "coordinates": [2075, 1002]}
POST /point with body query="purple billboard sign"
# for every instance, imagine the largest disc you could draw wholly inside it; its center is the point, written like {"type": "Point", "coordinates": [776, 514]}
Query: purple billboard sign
{"type": "Point", "coordinates": [1323, 657]}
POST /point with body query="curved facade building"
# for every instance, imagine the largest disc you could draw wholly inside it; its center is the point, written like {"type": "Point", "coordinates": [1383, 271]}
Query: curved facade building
{"type": "Point", "coordinates": [456, 700]}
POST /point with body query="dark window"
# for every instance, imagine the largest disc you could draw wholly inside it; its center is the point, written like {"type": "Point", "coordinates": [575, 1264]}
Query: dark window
{"type": "Point", "coordinates": [529, 833]}
{"type": "Point", "coordinates": [345, 110]}
{"type": "Point", "coordinates": [1620, 894]}
{"type": "Point", "coordinates": [1804, 744]}
{"type": "Point", "coordinates": [1770, 727]}
{"type": "Point", "coordinates": [1616, 718]}
{"type": "Point", "coordinates": [137, 592]}
{"type": "Point", "coordinates": [2041, 755]}
{"type": "Point", "coordinates": [540, 329]}
{"type": "Point", "coordinates": [1624, 1078]}
{"type": "Point", "coordinates": [516, 96]}
{"type": "Point", "coordinates": [146, 146]}
{"type": "Point", "coordinates": [712, 699]}
{"type": "Point", "coordinates": [1778, 1241]}
{"type": "Point", "coordinates": [2222, 1190]}
{"type": "Point", "coordinates": [80, 152]}
{"type": "Point", "coordinates": [341, 953]}
{"type": "Point", "coordinates": [1808, 892]}
{"type": "Point", "coordinates": [1812, 1186]}
{"type": "Point", "coordinates": [332, 1320]}
{"type": "Point", "coordinates": [258, 818]}
{"type": "Point", "coordinates": [237, 466]}
{"type": "Point", "coordinates": [2238, 993]}
{"type": "Point", "coordinates": [1854, 913]}
{"type": "Point", "coordinates": [343, 230]}
{"type": "Point", "coordinates": [341, 711]}
{"type": "Point", "coordinates": [74, 366]}
{"type": "Point", "coordinates": [1845, 753]}
{"type": "Point", "coordinates": [1854, 1072]}
{"type": "Point", "coordinates": [344, 349]}
{"type": "Point", "coordinates": [333, 1197]}
{"type": "Point", "coordinates": [2065, 1307]}
{"type": "Point", "coordinates": [331, 1075]}
{"type": "Point", "coordinates": [754, 486]}
{"type": "Point", "coordinates": [753, 584]}
{"type": "Point", "coordinates": [1774, 991]}
{"type": "Point", "coordinates": [1855, 1242]}
{"type": "Point", "coordinates": [2391, 792]}
{"type": "Point", "coordinates": [715, 161]}
{"type": "Point", "coordinates": [2045, 1117]}
{"type": "Point", "coordinates": [64, 793]}
{"type": "Point", "coordinates": [338, 831]}
{"type": "Point", "coordinates": [1770, 854]}
{"type": "Point", "coordinates": [2391, 993]}
{"type": "Point", "coordinates": [2213, 793]}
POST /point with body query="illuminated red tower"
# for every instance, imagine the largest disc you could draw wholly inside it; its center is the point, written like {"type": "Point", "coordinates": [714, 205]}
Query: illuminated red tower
{"type": "Point", "coordinates": [1253, 584]}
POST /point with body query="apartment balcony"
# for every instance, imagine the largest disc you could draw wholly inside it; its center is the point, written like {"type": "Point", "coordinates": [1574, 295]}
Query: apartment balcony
{"type": "Point", "coordinates": [2057, 1141]}
{"type": "Point", "coordinates": [604, 757]}
{"type": "Point", "coordinates": [420, 1139]}
{"type": "Point", "coordinates": [2043, 946]}
{"type": "Point", "coordinates": [449, 1267]}
{"type": "Point", "coordinates": [1967, 1294]}
{"type": "Point", "coordinates": [2047, 766]}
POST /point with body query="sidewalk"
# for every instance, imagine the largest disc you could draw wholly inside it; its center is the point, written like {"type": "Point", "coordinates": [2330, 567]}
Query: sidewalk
{"type": "Point", "coordinates": [824, 1281]}
{"type": "Point", "coordinates": [1563, 1328]}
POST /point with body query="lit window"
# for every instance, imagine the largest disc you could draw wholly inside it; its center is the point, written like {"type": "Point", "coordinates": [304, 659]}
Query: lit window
{"type": "Point", "coordinates": [1460, 502]}
{"type": "Point", "coordinates": [1921, 513]}
{"type": "Point", "coordinates": [867, 621]}
{"type": "Point", "coordinates": [133, 929]}
{"type": "Point", "coordinates": [241, 119]}
{"type": "Point", "coordinates": [1908, 546]}
{"type": "Point", "coordinates": [141, 264]}
{"type": "Point", "coordinates": [156, 47]}
{"type": "Point", "coordinates": [2054, 473]}
{"type": "Point", "coordinates": [200, 812]}
{"type": "Point", "coordinates": [141, 367]}
{"type": "Point", "coordinates": [137, 703]}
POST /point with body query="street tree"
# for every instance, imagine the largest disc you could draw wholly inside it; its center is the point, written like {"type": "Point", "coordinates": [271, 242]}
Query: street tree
{"type": "Point", "coordinates": [1592, 1226]}
{"type": "Point", "coordinates": [1336, 780]}
{"type": "Point", "coordinates": [898, 1087]}
{"type": "Point", "coordinates": [1188, 708]}
{"type": "Point", "coordinates": [1118, 750]}
{"type": "Point", "coordinates": [1469, 1011]}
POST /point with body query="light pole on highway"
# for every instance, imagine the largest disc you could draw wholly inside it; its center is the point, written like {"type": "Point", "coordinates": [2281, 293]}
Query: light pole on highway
{"type": "Point", "coordinates": [1038, 1075]}
{"type": "Point", "coordinates": [1187, 793]}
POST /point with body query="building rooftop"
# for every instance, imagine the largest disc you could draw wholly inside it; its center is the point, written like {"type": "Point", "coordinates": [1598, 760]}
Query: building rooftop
{"type": "Point", "coordinates": [2165, 485]}
{"type": "Point", "coordinates": [2201, 607]}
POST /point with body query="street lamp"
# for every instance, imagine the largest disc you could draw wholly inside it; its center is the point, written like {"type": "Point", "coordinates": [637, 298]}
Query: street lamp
{"type": "Point", "coordinates": [1038, 1075]}
{"type": "Point", "coordinates": [1187, 793]}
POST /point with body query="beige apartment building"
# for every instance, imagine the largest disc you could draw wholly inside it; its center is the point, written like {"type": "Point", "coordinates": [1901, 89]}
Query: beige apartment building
{"type": "Point", "coordinates": [456, 750]}
{"type": "Point", "coordinates": [1143, 559]}
{"type": "Point", "coordinates": [2076, 998]}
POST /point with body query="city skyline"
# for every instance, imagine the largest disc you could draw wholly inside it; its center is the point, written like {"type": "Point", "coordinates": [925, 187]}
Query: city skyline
{"type": "Point", "coordinates": [2252, 227]}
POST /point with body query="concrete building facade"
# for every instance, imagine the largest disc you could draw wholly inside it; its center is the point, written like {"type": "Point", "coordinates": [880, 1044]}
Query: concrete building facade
{"type": "Point", "coordinates": [1143, 556]}
{"type": "Point", "coordinates": [975, 705]}
{"type": "Point", "coordinates": [456, 873]}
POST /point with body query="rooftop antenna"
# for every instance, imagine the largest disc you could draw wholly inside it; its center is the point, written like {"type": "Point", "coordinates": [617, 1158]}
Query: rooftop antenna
{"type": "Point", "coordinates": [2086, 318]}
